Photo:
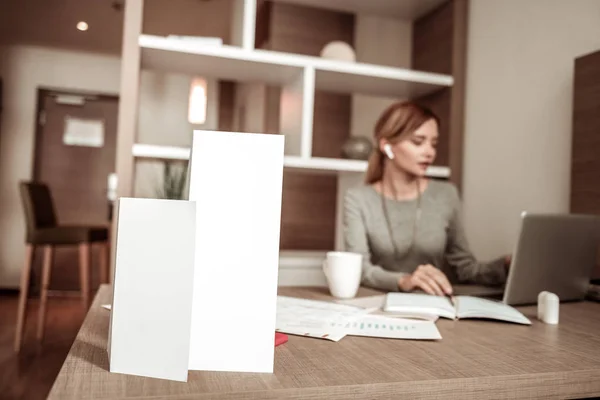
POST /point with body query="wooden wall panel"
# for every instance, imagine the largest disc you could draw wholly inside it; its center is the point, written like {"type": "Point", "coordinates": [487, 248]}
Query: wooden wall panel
{"type": "Point", "coordinates": [305, 30]}
{"type": "Point", "coordinates": [432, 41]}
{"type": "Point", "coordinates": [262, 26]}
{"type": "Point", "coordinates": [585, 160]}
{"type": "Point", "coordinates": [226, 104]}
{"type": "Point", "coordinates": [273, 95]}
{"type": "Point", "coordinates": [440, 45]}
{"type": "Point", "coordinates": [331, 124]}
{"type": "Point", "coordinates": [585, 171]}
{"type": "Point", "coordinates": [308, 211]}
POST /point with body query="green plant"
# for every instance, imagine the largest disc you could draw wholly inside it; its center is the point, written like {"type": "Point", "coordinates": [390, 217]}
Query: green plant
{"type": "Point", "coordinates": [174, 178]}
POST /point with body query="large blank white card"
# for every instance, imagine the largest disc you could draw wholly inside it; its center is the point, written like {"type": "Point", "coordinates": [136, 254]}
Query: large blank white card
{"type": "Point", "coordinates": [153, 283]}
{"type": "Point", "coordinates": [236, 181]}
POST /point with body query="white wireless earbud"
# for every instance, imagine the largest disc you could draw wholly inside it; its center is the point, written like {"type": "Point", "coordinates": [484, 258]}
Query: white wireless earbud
{"type": "Point", "coordinates": [388, 151]}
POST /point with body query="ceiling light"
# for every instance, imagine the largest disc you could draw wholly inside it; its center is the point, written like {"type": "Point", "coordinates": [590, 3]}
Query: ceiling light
{"type": "Point", "coordinates": [82, 26]}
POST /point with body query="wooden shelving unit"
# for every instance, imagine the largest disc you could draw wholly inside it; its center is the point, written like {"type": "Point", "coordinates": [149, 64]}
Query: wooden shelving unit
{"type": "Point", "coordinates": [236, 64]}
{"type": "Point", "coordinates": [301, 77]}
{"type": "Point", "coordinates": [289, 70]}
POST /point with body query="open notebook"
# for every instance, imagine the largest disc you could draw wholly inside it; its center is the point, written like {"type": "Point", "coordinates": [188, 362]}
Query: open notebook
{"type": "Point", "coordinates": [423, 305]}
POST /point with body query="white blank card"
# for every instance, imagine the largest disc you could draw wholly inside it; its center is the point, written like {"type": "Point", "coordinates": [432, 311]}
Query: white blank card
{"type": "Point", "coordinates": [152, 301]}
{"type": "Point", "coordinates": [236, 182]}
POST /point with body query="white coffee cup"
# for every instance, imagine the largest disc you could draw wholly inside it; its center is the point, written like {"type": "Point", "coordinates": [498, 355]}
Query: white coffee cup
{"type": "Point", "coordinates": [343, 271]}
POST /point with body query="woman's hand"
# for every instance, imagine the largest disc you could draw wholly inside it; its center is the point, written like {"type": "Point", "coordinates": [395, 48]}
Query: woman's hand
{"type": "Point", "coordinates": [427, 278]}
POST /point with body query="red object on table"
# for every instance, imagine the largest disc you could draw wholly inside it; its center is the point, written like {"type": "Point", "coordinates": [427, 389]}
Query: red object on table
{"type": "Point", "coordinates": [280, 338]}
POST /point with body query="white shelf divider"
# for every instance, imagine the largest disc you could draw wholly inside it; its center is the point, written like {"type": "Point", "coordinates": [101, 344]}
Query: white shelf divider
{"type": "Point", "coordinates": [296, 113]}
{"type": "Point", "coordinates": [244, 23]}
{"type": "Point", "coordinates": [308, 106]}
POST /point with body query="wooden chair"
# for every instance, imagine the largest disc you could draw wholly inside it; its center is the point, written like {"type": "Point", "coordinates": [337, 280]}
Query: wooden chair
{"type": "Point", "coordinates": [43, 230]}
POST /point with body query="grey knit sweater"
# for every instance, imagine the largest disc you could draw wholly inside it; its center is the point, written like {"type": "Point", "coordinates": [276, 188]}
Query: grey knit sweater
{"type": "Point", "coordinates": [439, 240]}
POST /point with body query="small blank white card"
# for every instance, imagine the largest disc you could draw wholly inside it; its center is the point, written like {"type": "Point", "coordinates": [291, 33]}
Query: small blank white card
{"type": "Point", "coordinates": [236, 181]}
{"type": "Point", "coordinates": [152, 302]}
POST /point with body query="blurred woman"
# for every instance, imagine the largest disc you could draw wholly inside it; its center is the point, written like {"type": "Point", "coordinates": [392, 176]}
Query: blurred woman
{"type": "Point", "coordinates": [408, 227]}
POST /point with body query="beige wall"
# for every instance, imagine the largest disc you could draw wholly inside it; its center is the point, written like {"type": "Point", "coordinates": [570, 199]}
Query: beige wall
{"type": "Point", "coordinates": [162, 120]}
{"type": "Point", "coordinates": [394, 47]}
{"type": "Point", "coordinates": [24, 69]}
{"type": "Point", "coordinates": [518, 119]}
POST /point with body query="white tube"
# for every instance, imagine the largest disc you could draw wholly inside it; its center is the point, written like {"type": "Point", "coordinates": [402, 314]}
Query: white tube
{"type": "Point", "coordinates": [551, 308]}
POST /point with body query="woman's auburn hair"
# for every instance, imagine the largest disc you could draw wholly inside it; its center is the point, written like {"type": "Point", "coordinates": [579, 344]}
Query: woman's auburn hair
{"type": "Point", "coordinates": [397, 123]}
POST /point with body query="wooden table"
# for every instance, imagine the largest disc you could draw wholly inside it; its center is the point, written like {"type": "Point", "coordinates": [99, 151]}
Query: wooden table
{"type": "Point", "coordinates": [474, 360]}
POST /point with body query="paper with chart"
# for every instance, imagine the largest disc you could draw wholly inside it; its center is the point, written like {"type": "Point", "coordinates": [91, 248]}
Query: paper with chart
{"type": "Point", "coordinates": [391, 328]}
{"type": "Point", "coordinates": [314, 318]}
{"type": "Point", "coordinates": [333, 321]}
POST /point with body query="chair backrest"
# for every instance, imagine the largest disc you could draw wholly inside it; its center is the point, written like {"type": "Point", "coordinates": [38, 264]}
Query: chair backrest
{"type": "Point", "coordinates": [38, 206]}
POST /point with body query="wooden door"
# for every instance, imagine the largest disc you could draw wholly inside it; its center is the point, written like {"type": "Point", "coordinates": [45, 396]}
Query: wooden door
{"type": "Point", "coordinates": [74, 155]}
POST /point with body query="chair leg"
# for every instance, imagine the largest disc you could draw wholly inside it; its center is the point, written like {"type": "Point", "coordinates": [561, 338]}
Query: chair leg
{"type": "Point", "coordinates": [46, 272]}
{"type": "Point", "coordinates": [84, 274]}
{"type": "Point", "coordinates": [104, 262]}
{"type": "Point", "coordinates": [23, 293]}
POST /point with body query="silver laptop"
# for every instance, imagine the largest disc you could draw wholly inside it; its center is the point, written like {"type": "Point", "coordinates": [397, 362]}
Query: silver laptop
{"type": "Point", "coordinates": [556, 253]}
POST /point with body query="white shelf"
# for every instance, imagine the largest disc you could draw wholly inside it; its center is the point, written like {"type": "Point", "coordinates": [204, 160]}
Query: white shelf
{"type": "Point", "coordinates": [436, 171]}
{"type": "Point", "coordinates": [404, 9]}
{"type": "Point", "coordinates": [225, 62]}
{"type": "Point", "coordinates": [307, 164]}
{"type": "Point", "coordinates": [234, 63]}
{"type": "Point", "coordinates": [312, 164]}
{"type": "Point", "coordinates": [317, 164]}
{"type": "Point", "coordinates": [160, 152]}
{"type": "Point", "coordinates": [345, 77]}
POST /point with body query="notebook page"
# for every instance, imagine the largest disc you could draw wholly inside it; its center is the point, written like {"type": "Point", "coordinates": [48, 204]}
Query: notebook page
{"type": "Point", "coordinates": [409, 304]}
{"type": "Point", "coordinates": [368, 303]}
{"type": "Point", "coordinates": [473, 307]}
